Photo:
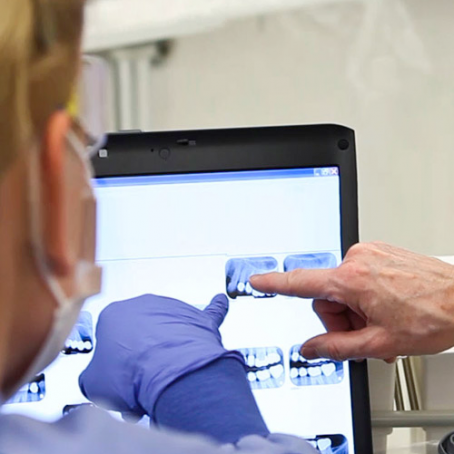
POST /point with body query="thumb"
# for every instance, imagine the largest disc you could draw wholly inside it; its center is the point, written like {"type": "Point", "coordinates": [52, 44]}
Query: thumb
{"type": "Point", "coordinates": [341, 346]}
{"type": "Point", "coordinates": [217, 309]}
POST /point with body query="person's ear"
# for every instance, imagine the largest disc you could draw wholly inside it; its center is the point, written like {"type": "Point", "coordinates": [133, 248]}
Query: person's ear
{"type": "Point", "coordinates": [55, 228]}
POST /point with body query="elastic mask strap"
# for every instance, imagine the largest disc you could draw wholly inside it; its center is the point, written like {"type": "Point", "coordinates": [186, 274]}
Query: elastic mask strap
{"type": "Point", "coordinates": [88, 274]}
{"type": "Point", "coordinates": [78, 148]}
{"type": "Point", "coordinates": [36, 227]}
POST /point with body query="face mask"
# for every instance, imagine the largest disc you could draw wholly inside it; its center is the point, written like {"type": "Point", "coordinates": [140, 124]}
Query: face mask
{"type": "Point", "coordinates": [87, 275]}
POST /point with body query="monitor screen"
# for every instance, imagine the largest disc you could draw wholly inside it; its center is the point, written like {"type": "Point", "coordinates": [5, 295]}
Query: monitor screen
{"type": "Point", "coordinates": [193, 236]}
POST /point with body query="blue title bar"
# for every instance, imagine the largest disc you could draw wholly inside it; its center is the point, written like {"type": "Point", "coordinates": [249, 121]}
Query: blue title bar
{"type": "Point", "coordinates": [217, 177]}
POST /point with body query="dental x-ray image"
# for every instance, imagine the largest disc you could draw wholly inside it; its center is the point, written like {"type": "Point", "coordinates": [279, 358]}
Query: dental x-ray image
{"type": "Point", "coordinates": [305, 372]}
{"type": "Point", "coordinates": [238, 272]}
{"type": "Point", "coordinates": [35, 391]}
{"type": "Point", "coordinates": [330, 444]}
{"type": "Point", "coordinates": [264, 367]}
{"type": "Point", "coordinates": [70, 408]}
{"type": "Point", "coordinates": [310, 261]}
{"type": "Point", "coordinates": [81, 337]}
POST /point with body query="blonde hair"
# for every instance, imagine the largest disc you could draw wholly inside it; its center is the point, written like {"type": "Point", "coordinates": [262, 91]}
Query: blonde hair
{"type": "Point", "coordinates": [39, 61]}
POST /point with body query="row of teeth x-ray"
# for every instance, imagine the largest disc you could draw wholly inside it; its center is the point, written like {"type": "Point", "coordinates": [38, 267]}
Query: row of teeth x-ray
{"type": "Point", "coordinates": [35, 391]}
{"type": "Point", "coordinates": [305, 372]}
{"type": "Point", "coordinates": [81, 338]}
{"type": "Point", "coordinates": [265, 368]}
{"type": "Point", "coordinates": [80, 341]}
{"type": "Point", "coordinates": [239, 270]}
{"type": "Point", "coordinates": [330, 444]}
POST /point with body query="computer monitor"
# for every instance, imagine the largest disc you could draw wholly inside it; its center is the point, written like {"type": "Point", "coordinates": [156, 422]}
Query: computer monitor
{"type": "Point", "coordinates": [192, 214]}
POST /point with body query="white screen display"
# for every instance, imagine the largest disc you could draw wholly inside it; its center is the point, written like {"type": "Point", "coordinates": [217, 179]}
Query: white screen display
{"type": "Point", "coordinates": [191, 237]}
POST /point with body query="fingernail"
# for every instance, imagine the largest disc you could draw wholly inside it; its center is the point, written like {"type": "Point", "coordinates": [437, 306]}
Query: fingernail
{"type": "Point", "coordinates": [253, 280]}
{"type": "Point", "coordinates": [309, 353]}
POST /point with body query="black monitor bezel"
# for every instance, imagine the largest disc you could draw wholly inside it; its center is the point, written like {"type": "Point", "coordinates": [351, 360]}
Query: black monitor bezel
{"type": "Point", "coordinates": [223, 150]}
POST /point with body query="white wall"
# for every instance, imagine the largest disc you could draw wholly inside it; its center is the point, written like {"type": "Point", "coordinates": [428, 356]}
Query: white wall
{"type": "Point", "coordinates": [383, 67]}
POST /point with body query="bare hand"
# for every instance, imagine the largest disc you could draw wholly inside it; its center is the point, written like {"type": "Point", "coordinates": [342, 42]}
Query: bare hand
{"type": "Point", "coordinates": [382, 302]}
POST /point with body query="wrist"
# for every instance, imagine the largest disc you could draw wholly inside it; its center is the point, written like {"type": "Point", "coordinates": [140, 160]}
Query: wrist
{"type": "Point", "coordinates": [215, 400]}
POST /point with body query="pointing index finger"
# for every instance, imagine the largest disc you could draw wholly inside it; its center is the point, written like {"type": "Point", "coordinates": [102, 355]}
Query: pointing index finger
{"type": "Point", "coordinates": [301, 283]}
{"type": "Point", "coordinates": [218, 309]}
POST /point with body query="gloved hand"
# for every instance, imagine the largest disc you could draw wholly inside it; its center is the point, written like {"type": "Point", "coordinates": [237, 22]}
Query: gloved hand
{"type": "Point", "coordinates": [147, 343]}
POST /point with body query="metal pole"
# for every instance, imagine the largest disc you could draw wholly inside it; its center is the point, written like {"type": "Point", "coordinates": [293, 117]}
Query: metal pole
{"type": "Point", "coordinates": [401, 419]}
{"type": "Point", "coordinates": [143, 58]}
{"type": "Point", "coordinates": [411, 384]}
{"type": "Point", "coordinates": [398, 394]}
{"type": "Point", "coordinates": [125, 90]}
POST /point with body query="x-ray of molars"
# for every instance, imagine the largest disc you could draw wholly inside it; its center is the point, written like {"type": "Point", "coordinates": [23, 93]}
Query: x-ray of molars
{"type": "Point", "coordinates": [305, 372]}
{"type": "Point", "coordinates": [70, 408]}
{"type": "Point", "coordinates": [81, 337]}
{"type": "Point", "coordinates": [238, 272]}
{"type": "Point", "coordinates": [35, 391]}
{"type": "Point", "coordinates": [264, 367]}
{"type": "Point", "coordinates": [310, 261]}
{"type": "Point", "coordinates": [330, 444]}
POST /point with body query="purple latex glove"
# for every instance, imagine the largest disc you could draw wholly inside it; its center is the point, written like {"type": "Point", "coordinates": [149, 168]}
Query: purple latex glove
{"type": "Point", "coordinates": [145, 344]}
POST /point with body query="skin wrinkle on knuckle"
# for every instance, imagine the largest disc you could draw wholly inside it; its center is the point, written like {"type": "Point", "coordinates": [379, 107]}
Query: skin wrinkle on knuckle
{"type": "Point", "coordinates": [349, 281]}
{"type": "Point", "coordinates": [379, 245]}
{"type": "Point", "coordinates": [375, 311]}
{"type": "Point", "coordinates": [361, 272]}
{"type": "Point", "coordinates": [387, 343]}
{"type": "Point", "coordinates": [367, 247]}
{"type": "Point", "coordinates": [337, 287]}
{"type": "Point", "coordinates": [380, 256]}
{"type": "Point", "coordinates": [378, 348]}
{"type": "Point", "coordinates": [370, 248]}
{"type": "Point", "coordinates": [333, 352]}
{"type": "Point", "coordinates": [293, 282]}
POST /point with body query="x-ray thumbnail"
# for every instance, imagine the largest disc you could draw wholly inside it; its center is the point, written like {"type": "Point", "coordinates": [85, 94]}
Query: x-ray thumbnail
{"type": "Point", "coordinates": [330, 444]}
{"type": "Point", "coordinates": [264, 367]}
{"type": "Point", "coordinates": [305, 372]}
{"type": "Point", "coordinates": [238, 272]}
{"type": "Point", "coordinates": [70, 408]}
{"type": "Point", "coordinates": [35, 391]}
{"type": "Point", "coordinates": [81, 337]}
{"type": "Point", "coordinates": [310, 261]}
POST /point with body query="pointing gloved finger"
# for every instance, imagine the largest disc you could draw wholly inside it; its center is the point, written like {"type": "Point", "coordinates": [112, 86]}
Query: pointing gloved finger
{"type": "Point", "coordinates": [302, 283]}
{"type": "Point", "coordinates": [341, 346]}
{"type": "Point", "coordinates": [217, 309]}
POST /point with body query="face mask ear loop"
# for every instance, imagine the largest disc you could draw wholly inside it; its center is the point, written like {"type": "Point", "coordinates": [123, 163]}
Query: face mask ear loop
{"type": "Point", "coordinates": [68, 307]}
{"type": "Point", "coordinates": [77, 147]}
{"type": "Point", "coordinates": [36, 227]}
{"type": "Point", "coordinates": [91, 285]}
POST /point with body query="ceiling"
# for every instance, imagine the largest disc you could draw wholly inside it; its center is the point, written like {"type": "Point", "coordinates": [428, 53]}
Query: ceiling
{"type": "Point", "coordinates": [113, 24]}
